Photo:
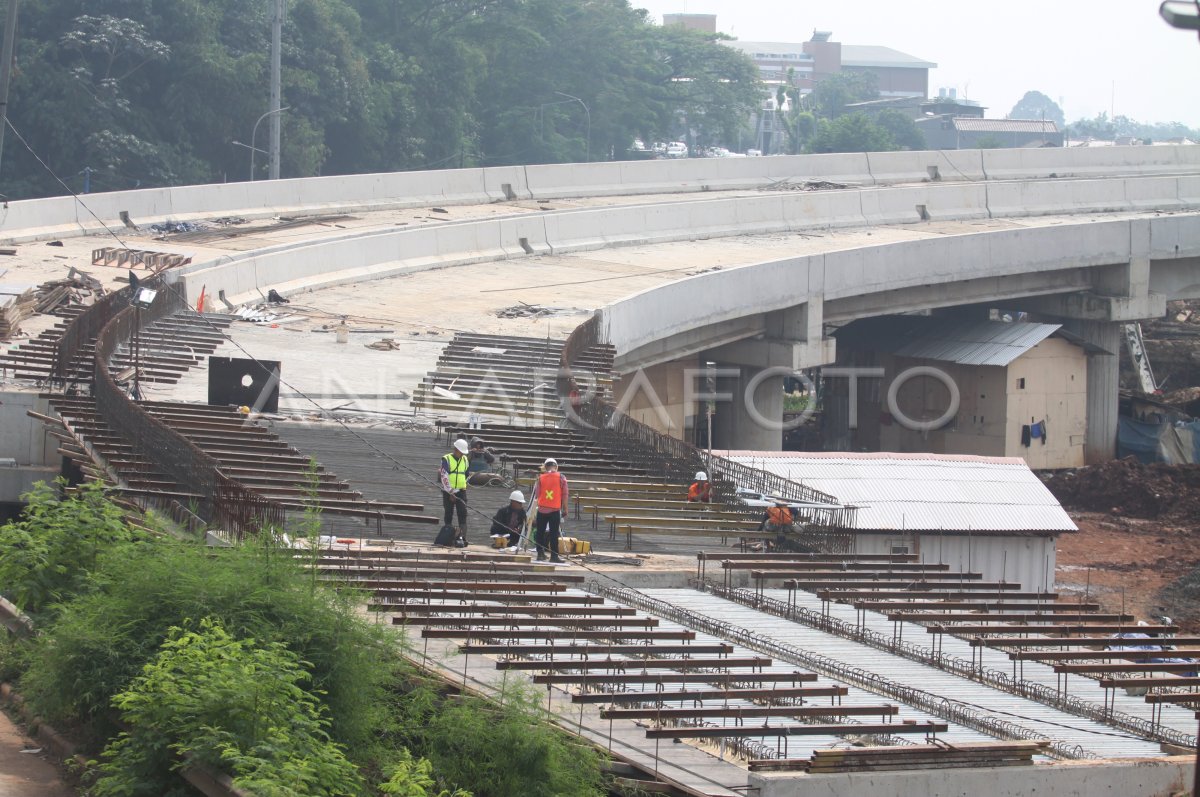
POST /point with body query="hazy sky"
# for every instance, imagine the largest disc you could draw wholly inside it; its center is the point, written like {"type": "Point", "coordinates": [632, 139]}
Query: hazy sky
{"type": "Point", "coordinates": [1093, 54]}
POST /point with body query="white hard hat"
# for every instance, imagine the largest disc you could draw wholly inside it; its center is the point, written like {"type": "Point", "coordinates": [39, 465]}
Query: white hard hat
{"type": "Point", "coordinates": [516, 495]}
{"type": "Point", "coordinates": [461, 446]}
{"type": "Point", "coordinates": [701, 476]}
{"type": "Point", "coordinates": [550, 461]}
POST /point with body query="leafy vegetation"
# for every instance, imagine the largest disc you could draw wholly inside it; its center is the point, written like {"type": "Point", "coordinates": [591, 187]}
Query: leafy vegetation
{"type": "Point", "coordinates": [235, 705]}
{"type": "Point", "coordinates": [154, 92]}
{"type": "Point", "coordinates": [1105, 129]}
{"type": "Point", "coordinates": [497, 748]}
{"type": "Point", "coordinates": [49, 553]}
{"type": "Point", "coordinates": [161, 650]}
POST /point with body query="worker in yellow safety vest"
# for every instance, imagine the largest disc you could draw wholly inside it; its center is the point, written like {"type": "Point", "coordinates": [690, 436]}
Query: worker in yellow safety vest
{"type": "Point", "coordinates": [551, 500]}
{"type": "Point", "coordinates": [453, 476]}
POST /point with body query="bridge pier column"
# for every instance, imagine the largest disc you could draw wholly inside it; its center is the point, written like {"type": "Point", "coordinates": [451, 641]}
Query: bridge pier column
{"type": "Point", "coordinates": [792, 340]}
{"type": "Point", "coordinates": [753, 418]}
{"type": "Point", "coordinates": [1103, 385]}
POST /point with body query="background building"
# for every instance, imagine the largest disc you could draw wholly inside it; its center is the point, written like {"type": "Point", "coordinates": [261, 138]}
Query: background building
{"type": "Point", "coordinates": [1022, 389]}
{"type": "Point", "coordinates": [957, 132]}
{"type": "Point", "coordinates": [898, 74]}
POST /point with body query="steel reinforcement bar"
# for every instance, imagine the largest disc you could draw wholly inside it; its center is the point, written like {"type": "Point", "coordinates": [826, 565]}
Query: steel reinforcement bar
{"type": "Point", "coordinates": [936, 705]}
{"type": "Point", "coordinates": [223, 502]}
{"type": "Point", "coordinates": [995, 678]}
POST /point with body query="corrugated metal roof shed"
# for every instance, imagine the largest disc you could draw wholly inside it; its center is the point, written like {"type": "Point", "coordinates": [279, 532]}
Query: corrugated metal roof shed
{"type": "Point", "coordinates": [976, 125]}
{"type": "Point", "coordinates": [924, 491]}
{"type": "Point", "coordinates": [949, 340]}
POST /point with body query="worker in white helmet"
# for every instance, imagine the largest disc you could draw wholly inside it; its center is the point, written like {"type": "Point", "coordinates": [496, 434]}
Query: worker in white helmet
{"type": "Point", "coordinates": [510, 518]}
{"type": "Point", "coordinates": [552, 502]}
{"type": "Point", "coordinates": [453, 476]}
{"type": "Point", "coordinates": [701, 489]}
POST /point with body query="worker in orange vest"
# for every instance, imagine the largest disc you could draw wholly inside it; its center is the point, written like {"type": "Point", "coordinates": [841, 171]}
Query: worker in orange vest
{"type": "Point", "coordinates": [778, 518]}
{"type": "Point", "coordinates": [701, 490]}
{"type": "Point", "coordinates": [551, 500]}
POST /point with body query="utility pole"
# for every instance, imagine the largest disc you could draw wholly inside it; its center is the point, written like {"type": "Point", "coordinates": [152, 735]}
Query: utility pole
{"type": "Point", "coordinates": [276, 76]}
{"type": "Point", "coordinates": [10, 40]}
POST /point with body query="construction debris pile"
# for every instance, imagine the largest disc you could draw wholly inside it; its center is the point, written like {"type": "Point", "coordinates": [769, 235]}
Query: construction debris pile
{"type": "Point", "coordinates": [16, 304]}
{"type": "Point", "coordinates": [1173, 346]}
{"type": "Point", "coordinates": [168, 227]}
{"type": "Point", "coordinates": [805, 185]}
{"type": "Point", "coordinates": [522, 310]}
{"type": "Point", "coordinates": [1129, 488]}
{"type": "Point", "coordinates": [56, 296]}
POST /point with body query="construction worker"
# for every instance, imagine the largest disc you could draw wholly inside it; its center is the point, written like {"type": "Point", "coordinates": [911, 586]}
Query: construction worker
{"type": "Point", "coordinates": [453, 476]}
{"type": "Point", "coordinates": [480, 461]}
{"type": "Point", "coordinates": [510, 518]}
{"type": "Point", "coordinates": [701, 489]}
{"type": "Point", "coordinates": [551, 501]}
{"type": "Point", "coordinates": [779, 520]}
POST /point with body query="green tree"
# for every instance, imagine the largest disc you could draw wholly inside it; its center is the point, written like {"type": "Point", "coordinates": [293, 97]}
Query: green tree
{"type": "Point", "coordinates": [1036, 105]}
{"type": "Point", "coordinates": [851, 133]}
{"type": "Point", "coordinates": [989, 142]}
{"type": "Point", "coordinates": [833, 93]}
{"type": "Point", "coordinates": [800, 123]}
{"type": "Point", "coordinates": [901, 127]}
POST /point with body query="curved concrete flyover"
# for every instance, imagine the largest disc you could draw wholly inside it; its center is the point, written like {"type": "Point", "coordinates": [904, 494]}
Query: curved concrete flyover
{"type": "Point", "coordinates": [355, 256]}
{"type": "Point", "coordinates": [761, 322]}
{"type": "Point", "coordinates": [58, 217]}
{"type": "Point", "coordinates": [712, 309]}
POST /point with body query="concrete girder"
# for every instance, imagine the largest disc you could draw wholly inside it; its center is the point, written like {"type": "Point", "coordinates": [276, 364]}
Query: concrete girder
{"type": "Point", "coordinates": [772, 353]}
{"type": "Point", "coordinates": [1086, 306]}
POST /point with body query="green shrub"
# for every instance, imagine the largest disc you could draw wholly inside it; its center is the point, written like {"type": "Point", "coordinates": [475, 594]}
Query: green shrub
{"type": "Point", "coordinates": [48, 555]}
{"type": "Point", "coordinates": [234, 705]}
{"type": "Point", "coordinates": [498, 750]}
{"type": "Point", "coordinates": [102, 639]}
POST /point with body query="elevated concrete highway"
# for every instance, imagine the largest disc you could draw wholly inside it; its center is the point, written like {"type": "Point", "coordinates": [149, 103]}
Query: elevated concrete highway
{"type": "Point", "coordinates": [1095, 237]}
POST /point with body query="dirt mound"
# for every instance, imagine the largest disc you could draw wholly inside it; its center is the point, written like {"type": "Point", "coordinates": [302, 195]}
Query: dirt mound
{"type": "Point", "coordinates": [1182, 598]}
{"type": "Point", "coordinates": [1127, 487]}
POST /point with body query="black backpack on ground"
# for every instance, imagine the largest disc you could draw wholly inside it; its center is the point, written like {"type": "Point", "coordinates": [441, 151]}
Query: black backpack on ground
{"type": "Point", "coordinates": [445, 537]}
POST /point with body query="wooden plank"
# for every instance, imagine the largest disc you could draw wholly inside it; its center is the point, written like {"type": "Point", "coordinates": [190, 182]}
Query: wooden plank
{"type": "Point", "coordinates": [825, 729]}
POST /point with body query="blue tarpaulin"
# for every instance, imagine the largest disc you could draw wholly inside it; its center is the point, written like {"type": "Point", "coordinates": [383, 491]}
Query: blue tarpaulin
{"type": "Point", "coordinates": [1174, 443]}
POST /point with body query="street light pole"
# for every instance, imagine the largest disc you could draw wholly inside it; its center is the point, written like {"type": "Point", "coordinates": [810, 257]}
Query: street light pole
{"type": "Point", "coordinates": [276, 92]}
{"type": "Point", "coordinates": [254, 136]}
{"type": "Point", "coordinates": [587, 144]}
{"type": "Point", "coordinates": [6, 59]}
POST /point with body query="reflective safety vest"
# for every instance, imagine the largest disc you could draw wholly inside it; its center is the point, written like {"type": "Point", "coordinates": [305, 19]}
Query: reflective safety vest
{"type": "Point", "coordinates": [550, 490]}
{"type": "Point", "coordinates": [779, 515]}
{"type": "Point", "coordinates": [456, 468]}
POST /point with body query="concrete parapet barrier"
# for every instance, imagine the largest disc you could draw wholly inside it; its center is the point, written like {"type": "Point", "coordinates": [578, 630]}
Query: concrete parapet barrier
{"type": "Point", "coordinates": [903, 167]}
{"type": "Point", "coordinates": [398, 250]}
{"type": "Point", "coordinates": [63, 216]}
{"type": "Point", "coordinates": [1153, 193]}
{"type": "Point", "coordinates": [1040, 198]}
{"type": "Point", "coordinates": [842, 167]}
{"type": "Point", "coordinates": [1009, 164]}
{"type": "Point", "coordinates": [1189, 190]}
{"type": "Point", "coordinates": [822, 209]}
{"type": "Point", "coordinates": [506, 183]}
{"type": "Point", "coordinates": [958, 165]}
{"type": "Point", "coordinates": [908, 205]}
